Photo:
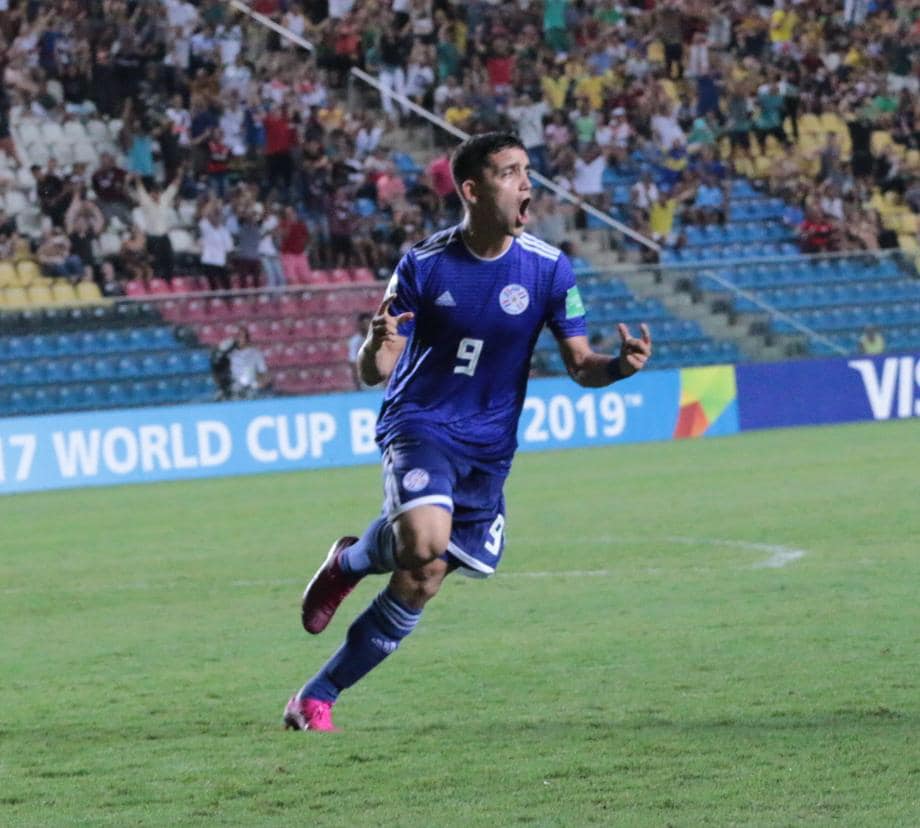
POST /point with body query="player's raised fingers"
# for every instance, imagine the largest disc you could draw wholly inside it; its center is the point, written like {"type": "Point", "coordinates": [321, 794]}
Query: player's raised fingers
{"type": "Point", "coordinates": [385, 304]}
{"type": "Point", "coordinates": [623, 331]}
{"type": "Point", "coordinates": [408, 316]}
{"type": "Point", "coordinates": [646, 334]}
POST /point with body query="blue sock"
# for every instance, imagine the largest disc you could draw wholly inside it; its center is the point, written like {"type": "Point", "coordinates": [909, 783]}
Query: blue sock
{"type": "Point", "coordinates": [371, 638]}
{"type": "Point", "coordinates": [375, 550]}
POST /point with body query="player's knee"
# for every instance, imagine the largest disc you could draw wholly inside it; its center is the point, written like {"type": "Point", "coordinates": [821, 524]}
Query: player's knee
{"type": "Point", "coordinates": [416, 587]}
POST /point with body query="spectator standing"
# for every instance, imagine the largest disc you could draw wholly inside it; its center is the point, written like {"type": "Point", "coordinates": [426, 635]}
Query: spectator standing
{"type": "Point", "coordinates": [341, 219]}
{"type": "Point", "coordinates": [294, 238]}
{"type": "Point", "coordinates": [218, 162]}
{"type": "Point", "coordinates": [249, 237]}
{"type": "Point", "coordinates": [84, 222]}
{"type": "Point", "coordinates": [527, 117]}
{"type": "Point", "coordinates": [268, 252]}
{"type": "Point", "coordinates": [216, 244]}
{"type": "Point", "coordinates": [280, 139]}
{"type": "Point", "coordinates": [156, 209]}
{"type": "Point", "coordinates": [394, 48]}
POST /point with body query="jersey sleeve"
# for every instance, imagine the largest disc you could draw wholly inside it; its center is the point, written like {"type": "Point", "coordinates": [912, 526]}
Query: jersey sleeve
{"type": "Point", "coordinates": [566, 312]}
{"type": "Point", "coordinates": [404, 284]}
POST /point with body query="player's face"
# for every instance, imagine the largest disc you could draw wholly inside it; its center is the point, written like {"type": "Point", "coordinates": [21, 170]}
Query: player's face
{"type": "Point", "coordinates": [506, 190]}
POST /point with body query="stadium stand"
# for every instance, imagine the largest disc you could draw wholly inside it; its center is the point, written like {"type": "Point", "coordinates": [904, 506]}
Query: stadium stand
{"type": "Point", "coordinates": [746, 139]}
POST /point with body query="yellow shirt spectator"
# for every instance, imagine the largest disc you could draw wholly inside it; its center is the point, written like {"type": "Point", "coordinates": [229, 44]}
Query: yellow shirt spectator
{"type": "Point", "coordinates": [782, 25]}
{"type": "Point", "coordinates": [661, 217]}
{"type": "Point", "coordinates": [458, 115]}
{"type": "Point", "coordinates": [592, 87]}
{"type": "Point", "coordinates": [555, 90]}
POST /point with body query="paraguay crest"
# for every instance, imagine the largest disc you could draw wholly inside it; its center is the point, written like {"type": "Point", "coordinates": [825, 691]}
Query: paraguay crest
{"type": "Point", "coordinates": [514, 299]}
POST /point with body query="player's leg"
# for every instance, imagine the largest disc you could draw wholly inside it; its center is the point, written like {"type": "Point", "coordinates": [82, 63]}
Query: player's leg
{"type": "Point", "coordinates": [414, 529]}
{"type": "Point", "coordinates": [374, 635]}
{"type": "Point", "coordinates": [411, 538]}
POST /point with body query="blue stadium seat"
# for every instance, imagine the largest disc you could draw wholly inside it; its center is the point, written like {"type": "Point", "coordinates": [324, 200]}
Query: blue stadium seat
{"type": "Point", "coordinates": [117, 394]}
{"type": "Point", "coordinates": [127, 366]}
{"type": "Point", "coordinates": [200, 362]}
{"type": "Point", "coordinates": [142, 393]}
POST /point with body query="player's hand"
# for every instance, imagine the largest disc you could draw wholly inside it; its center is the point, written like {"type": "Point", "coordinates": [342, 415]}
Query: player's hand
{"type": "Point", "coordinates": [634, 353]}
{"type": "Point", "coordinates": [384, 325]}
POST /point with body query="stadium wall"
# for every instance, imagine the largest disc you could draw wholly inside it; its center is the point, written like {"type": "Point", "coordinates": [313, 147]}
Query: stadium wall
{"type": "Point", "coordinates": [281, 434]}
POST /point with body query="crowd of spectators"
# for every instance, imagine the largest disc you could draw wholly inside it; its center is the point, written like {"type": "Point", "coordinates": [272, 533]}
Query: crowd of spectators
{"type": "Point", "coordinates": [287, 167]}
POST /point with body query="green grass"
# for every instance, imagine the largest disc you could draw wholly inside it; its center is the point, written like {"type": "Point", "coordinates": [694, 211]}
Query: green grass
{"type": "Point", "coordinates": [663, 676]}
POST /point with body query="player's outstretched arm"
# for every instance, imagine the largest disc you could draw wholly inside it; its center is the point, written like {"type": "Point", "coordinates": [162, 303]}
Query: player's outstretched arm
{"type": "Point", "coordinates": [594, 370]}
{"type": "Point", "coordinates": [383, 344]}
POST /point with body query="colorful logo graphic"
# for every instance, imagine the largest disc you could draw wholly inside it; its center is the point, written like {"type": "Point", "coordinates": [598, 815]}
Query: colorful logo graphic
{"type": "Point", "coordinates": [708, 402]}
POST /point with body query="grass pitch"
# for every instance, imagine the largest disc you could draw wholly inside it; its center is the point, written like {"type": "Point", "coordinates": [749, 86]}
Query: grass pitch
{"type": "Point", "coordinates": [715, 632]}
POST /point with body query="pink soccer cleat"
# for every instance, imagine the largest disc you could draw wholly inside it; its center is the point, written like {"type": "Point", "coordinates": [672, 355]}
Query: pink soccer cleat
{"type": "Point", "coordinates": [329, 587]}
{"type": "Point", "coordinates": [309, 714]}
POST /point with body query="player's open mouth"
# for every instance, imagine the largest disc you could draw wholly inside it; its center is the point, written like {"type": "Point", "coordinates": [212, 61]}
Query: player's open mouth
{"type": "Point", "coordinates": [523, 216]}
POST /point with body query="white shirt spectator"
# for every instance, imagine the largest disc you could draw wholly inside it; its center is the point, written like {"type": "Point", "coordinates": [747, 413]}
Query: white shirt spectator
{"type": "Point", "coordinates": [589, 176]}
{"type": "Point", "coordinates": [340, 8]}
{"type": "Point", "coordinates": [529, 122]}
{"type": "Point", "coordinates": [181, 15]}
{"type": "Point", "coordinates": [368, 139]}
{"type": "Point", "coordinates": [246, 366]}
{"type": "Point", "coordinates": [157, 216]}
{"type": "Point", "coordinates": [644, 194]}
{"type": "Point", "coordinates": [419, 78]}
{"type": "Point", "coordinates": [216, 243]}
{"type": "Point", "coordinates": [229, 41]}
{"type": "Point", "coordinates": [666, 131]}
{"type": "Point", "coordinates": [231, 124]}
{"type": "Point", "coordinates": [181, 123]}
{"type": "Point", "coordinates": [180, 52]}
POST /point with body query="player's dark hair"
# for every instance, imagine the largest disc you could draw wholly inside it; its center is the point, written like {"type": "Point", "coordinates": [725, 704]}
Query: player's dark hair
{"type": "Point", "coordinates": [471, 157]}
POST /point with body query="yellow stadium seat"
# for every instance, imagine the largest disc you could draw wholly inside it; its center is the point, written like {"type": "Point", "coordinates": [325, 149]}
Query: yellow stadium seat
{"type": "Point", "coordinates": [29, 272]}
{"type": "Point", "coordinates": [655, 52]}
{"type": "Point", "coordinates": [908, 243]}
{"type": "Point", "coordinates": [88, 292]}
{"type": "Point", "coordinates": [832, 122]}
{"type": "Point", "coordinates": [762, 166]}
{"type": "Point", "coordinates": [879, 140]}
{"type": "Point", "coordinates": [16, 297]}
{"type": "Point", "coordinates": [8, 275]}
{"type": "Point", "coordinates": [63, 293]}
{"type": "Point", "coordinates": [40, 295]}
{"type": "Point", "coordinates": [910, 223]}
{"type": "Point", "coordinates": [912, 159]}
{"type": "Point", "coordinates": [809, 124]}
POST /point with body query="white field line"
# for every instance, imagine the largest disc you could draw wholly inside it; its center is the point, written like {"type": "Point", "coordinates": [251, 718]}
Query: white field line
{"type": "Point", "coordinates": [779, 556]}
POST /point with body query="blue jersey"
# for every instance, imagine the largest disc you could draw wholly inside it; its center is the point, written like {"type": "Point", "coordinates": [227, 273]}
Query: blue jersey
{"type": "Point", "coordinates": [462, 376]}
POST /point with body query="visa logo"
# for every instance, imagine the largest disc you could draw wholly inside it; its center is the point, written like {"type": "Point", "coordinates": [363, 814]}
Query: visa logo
{"type": "Point", "coordinates": [895, 389]}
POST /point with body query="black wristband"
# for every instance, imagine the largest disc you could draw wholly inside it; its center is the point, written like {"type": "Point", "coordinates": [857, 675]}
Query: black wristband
{"type": "Point", "coordinates": [613, 369]}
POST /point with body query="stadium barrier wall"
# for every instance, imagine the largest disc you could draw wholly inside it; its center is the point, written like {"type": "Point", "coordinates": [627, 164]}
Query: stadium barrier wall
{"type": "Point", "coordinates": [292, 433]}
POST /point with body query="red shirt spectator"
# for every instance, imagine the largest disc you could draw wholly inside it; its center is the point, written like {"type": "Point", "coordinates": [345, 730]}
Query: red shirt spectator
{"type": "Point", "coordinates": [442, 180]}
{"type": "Point", "coordinates": [500, 69]}
{"type": "Point", "coordinates": [816, 233]}
{"type": "Point", "coordinates": [279, 134]}
{"type": "Point", "coordinates": [218, 156]}
{"type": "Point", "coordinates": [109, 181]}
{"type": "Point", "coordinates": [294, 236]}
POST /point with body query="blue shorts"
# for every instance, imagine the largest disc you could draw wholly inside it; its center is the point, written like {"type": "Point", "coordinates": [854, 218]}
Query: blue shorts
{"type": "Point", "coordinates": [419, 472]}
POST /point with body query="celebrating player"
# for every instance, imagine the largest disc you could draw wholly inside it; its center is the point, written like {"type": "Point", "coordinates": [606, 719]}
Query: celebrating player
{"type": "Point", "coordinates": [453, 339]}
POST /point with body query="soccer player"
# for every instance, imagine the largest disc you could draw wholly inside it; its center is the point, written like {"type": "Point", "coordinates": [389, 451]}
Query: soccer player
{"type": "Point", "coordinates": [453, 338]}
